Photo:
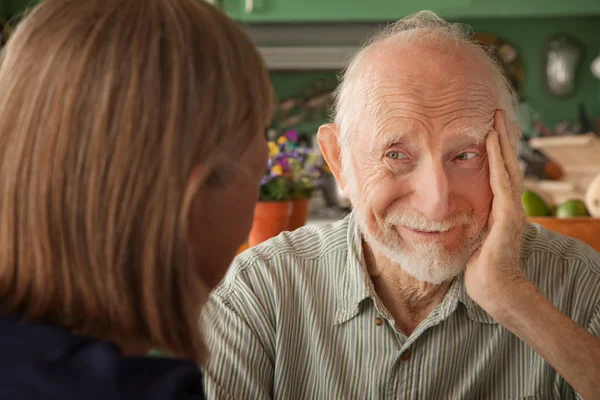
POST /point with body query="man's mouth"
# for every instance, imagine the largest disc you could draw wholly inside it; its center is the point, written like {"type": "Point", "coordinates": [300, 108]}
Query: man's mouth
{"type": "Point", "coordinates": [427, 232]}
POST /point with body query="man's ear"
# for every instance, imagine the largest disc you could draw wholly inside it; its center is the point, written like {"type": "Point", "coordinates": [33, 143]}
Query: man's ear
{"type": "Point", "coordinates": [328, 137]}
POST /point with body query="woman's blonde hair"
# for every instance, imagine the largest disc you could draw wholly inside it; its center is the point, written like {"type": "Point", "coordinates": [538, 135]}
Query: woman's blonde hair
{"type": "Point", "coordinates": [107, 107]}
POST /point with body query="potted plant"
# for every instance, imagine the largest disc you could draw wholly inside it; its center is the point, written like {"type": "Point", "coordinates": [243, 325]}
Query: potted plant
{"type": "Point", "coordinates": [305, 167]}
{"type": "Point", "coordinates": [272, 212]}
{"type": "Point", "coordinates": [305, 171]}
{"type": "Point", "coordinates": [286, 188]}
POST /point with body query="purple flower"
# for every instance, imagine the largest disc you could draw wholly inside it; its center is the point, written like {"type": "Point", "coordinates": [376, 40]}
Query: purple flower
{"type": "Point", "coordinates": [266, 179]}
{"type": "Point", "coordinates": [285, 164]}
{"type": "Point", "coordinates": [291, 136]}
{"type": "Point", "coordinates": [289, 154]}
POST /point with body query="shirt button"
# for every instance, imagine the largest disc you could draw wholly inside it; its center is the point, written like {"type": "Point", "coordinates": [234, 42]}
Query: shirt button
{"type": "Point", "coordinates": [378, 321]}
{"type": "Point", "coordinates": [405, 356]}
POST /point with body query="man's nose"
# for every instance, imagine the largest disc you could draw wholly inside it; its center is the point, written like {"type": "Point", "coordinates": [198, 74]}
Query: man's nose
{"type": "Point", "coordinates": [431, 192]}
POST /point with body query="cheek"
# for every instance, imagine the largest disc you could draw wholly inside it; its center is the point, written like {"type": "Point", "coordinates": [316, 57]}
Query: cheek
{"type": "Point", "coordinates": [378, 195]}
{"type": "Point", "coordinates": [386, 192]}
{"type": "Point", "coordinates": [236, 213]}
{"type": "Point", "coordinates": [246, 202]}
{"type": "Point", "coordinates": [474, 190]}
{"type": "Point", "coordinates": [221, 226]}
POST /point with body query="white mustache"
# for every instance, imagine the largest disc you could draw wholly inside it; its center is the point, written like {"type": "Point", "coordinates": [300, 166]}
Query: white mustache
{"type": "Point", "coordinates": [418, 222]}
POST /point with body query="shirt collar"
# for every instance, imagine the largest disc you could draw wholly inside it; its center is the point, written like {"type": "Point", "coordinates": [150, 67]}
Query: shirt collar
{"type": "Point", "coordinates": [355, 285]}
{"type": "Point", "coordinates": [458, 294]}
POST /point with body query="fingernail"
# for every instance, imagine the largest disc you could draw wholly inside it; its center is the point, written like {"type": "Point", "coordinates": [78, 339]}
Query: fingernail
{"type": "Point", "coordinates": [502, 120]}
{"type": "Point", "coordinates": [497, 117]}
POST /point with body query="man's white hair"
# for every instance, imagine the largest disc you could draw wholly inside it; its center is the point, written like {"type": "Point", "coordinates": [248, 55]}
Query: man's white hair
{"type": "Point", "coordinates": [352, 97]}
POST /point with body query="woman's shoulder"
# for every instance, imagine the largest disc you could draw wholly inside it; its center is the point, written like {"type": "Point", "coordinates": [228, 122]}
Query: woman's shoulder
{"type": "Point", "coordinates": [162, 378]}
{"type": "Point", "coordinates": [40, 361]}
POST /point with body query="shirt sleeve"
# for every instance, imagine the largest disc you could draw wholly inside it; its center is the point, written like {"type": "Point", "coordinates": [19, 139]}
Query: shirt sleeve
{"type": "Point", "coordinates": [594, 324]}
{"type": "Point", "coordinates": [594, 328]}
{"type": "Point", "coordinates": [239, 336]}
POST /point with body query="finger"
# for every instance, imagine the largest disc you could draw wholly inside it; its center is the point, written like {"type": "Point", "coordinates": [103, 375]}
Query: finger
{"type": "Point", "coordinates": [508, 152]}
{"type": "Point", "coordinates": [499, 179]}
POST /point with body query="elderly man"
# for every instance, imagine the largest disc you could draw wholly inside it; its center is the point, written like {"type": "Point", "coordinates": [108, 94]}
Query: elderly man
{"type": "Point", "coordinates": [434, 287]}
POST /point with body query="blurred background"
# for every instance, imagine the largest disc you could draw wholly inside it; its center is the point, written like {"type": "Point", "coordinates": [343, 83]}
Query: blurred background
{"type": "Point", "coordinates": [550, 50]}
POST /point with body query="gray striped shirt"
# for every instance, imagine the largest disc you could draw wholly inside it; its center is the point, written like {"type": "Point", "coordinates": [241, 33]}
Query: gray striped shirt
{"type": "Point", "coordinates": [297, 318]}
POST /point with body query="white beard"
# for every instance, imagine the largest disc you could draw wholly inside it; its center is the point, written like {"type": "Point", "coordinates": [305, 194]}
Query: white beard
{"type": "Point", "coordinates": [427, 261]}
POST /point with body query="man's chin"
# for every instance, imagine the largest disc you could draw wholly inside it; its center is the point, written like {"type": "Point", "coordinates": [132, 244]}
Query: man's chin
{"type": "Point", "coordinates": [434, 279]}
{"type": "Point", "coordinates": [436, 270]}
{"type": "Point", "coordinates": [431, 263]}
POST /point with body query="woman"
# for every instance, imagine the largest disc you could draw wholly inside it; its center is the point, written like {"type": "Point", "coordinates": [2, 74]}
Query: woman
{"type": "Point", "coordinates": [131, 148]}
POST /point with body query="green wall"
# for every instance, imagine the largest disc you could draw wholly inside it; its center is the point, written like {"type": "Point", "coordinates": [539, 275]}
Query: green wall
{"type": "Point", "coordinates": [289, 83]}
{"type": "Point", "coordinates": [294, 84]}
{"type": "Point", "coordinates": [12, 7]}
{"type": "Point", "coordinates": [529, 37]}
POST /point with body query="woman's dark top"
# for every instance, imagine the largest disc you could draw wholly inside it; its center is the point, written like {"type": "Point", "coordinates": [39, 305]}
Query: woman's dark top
{"type": "Point", "coordinates": [43, 361]}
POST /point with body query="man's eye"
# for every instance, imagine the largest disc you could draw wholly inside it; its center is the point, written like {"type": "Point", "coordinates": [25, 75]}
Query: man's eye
{"type": "Point", "coordinates": [466, 156]}
{"type": "Point", "coordinates": [396, 155]}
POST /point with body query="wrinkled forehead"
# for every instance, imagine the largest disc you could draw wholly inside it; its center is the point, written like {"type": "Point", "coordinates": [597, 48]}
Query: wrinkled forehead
{"type": "Point", "coordinates": [459, 106]}
{"type": "Point", "coordinates": [407, 88]}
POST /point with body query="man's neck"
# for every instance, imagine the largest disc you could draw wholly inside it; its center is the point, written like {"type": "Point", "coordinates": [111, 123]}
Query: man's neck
{"type": "Point", "coordinates": [408, 300]}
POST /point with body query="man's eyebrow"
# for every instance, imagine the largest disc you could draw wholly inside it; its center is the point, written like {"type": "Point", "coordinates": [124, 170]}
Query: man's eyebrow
{"type": "Point", "coordinates": [478, 134]}
{"type": "Point", "coordinates": [385, 139]}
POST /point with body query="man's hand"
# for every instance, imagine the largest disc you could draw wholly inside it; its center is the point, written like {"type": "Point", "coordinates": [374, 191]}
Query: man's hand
{"type": "Point", "coordinates": [494, 267]}
{"type": "Point", "coordinates": [494, 280]}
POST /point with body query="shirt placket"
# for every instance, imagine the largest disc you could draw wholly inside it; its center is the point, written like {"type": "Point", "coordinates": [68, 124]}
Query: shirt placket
{"type": "Point", "coordinates": [403, 382]}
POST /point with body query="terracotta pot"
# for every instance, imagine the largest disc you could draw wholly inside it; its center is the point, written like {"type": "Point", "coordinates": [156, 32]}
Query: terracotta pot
{"type": "Point", "coordinates": [298, 215]}
{"type": "Point", "coordinates": [270, 219]}
{"type": "Point", "coordinates": [585, 229]}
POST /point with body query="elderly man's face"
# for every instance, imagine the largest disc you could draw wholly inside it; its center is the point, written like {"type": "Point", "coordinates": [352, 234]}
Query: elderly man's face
{"type": "Point", "coordinates": [419, 177]}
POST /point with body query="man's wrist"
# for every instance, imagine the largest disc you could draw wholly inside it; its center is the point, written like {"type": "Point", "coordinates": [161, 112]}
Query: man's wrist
{"type": "Point", "coordinates": [512, 304]}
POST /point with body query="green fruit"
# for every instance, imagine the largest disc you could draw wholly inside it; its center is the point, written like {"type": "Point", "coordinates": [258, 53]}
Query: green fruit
{"type": "Point", "coordinates": [534, 205]}
{"type": "Point", "coordinates": [572, 208]}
